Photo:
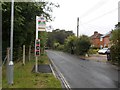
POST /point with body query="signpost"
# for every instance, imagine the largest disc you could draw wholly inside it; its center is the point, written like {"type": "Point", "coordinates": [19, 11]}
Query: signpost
{"type": "Point", "coordinates": [40, 26]}
{"type": "Point", "coordinates": [40, 23]}
{"type": "Point", "coordinates": [37, 47]}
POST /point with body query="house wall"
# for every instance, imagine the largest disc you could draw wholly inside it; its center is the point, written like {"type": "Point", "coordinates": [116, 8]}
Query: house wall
{"type": "Point", "coordinates": [100, 42]}
{"type": "Point", "coordinates": [106, 41]}
{"type": "Point", "coordinates": [96, 42]}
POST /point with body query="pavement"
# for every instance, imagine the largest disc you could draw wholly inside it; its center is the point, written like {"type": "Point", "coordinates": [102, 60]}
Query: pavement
{"type": "Point", "coordinates": [43, 69]}
{"type": "Point", "coordinates": [97, 57]}
{"type": "Point", "coordinates": [80, 73]}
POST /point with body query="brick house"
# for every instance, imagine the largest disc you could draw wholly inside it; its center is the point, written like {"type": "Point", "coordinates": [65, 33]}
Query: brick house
{"type": "Point", "coordinates": [99, 40]}
{"type": "Point", "coordinates": [95, 39]}
{"type": "Point", "coordinates": [105, 40]}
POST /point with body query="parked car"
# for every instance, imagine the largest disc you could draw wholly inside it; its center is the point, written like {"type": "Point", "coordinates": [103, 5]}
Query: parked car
{"type": "Point", "coordinates": [103, 51]}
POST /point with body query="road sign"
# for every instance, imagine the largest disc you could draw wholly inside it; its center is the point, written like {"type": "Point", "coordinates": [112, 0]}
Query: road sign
{"type": "Point", "coordinates": [40, 23]}
{"type": "Point", "coordinates": [37, 47]}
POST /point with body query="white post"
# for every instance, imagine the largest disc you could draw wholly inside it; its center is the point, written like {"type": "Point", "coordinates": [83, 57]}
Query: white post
{"type": "Point", "coordinates": [29, 52]}
{"type": "Point", "coordinates": [36, 28]}
{"type": "Point", "coordinates": [36, 58]}
{"type": "Point", "coordinates": [23, 54]}
{"type": "Point", "coordinates": [36, 65]}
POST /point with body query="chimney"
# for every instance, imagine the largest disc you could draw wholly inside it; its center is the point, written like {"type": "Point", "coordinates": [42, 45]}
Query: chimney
{"type": "Point", "coordinates": [95, 32]}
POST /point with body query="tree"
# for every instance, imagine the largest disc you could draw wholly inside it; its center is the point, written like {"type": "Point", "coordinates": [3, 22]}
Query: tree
{"type": "Point", "coordinates": [115, 48]}
{"type": "Point", "coordinates": [70, 44]}
{"type": "Point", "coordinates": [82, 45]}
{"type": "Point", "coordinates": [43, 39]}
{"type": "Point", "coordinates": [58, 36]}
{"type": "Point", "coordinates": [24, 23]}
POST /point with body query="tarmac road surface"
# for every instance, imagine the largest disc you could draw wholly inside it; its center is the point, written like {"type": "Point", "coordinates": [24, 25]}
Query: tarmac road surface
{"type": "Point", "coordinates": [84, 73]}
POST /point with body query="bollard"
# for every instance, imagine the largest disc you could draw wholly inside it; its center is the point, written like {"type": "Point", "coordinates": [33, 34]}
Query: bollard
{"type": "Point", "coordinates": [10, 73]}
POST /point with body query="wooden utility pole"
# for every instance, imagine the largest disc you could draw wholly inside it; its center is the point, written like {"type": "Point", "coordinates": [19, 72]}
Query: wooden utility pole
{"type": "Point", "coordinates": [78, 27]}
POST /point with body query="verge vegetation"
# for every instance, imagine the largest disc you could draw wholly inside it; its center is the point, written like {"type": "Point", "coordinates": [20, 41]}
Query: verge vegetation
{"type": "Point", "coordinates": [25, 78]}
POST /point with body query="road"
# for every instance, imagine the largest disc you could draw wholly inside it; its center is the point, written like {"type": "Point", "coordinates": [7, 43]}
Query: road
{"type": "Point", "coordinates": [84, 73]}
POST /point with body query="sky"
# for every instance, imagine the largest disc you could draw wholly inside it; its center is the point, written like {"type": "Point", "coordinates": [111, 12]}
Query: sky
{"type": "Point", "coordinates": [94, 15]}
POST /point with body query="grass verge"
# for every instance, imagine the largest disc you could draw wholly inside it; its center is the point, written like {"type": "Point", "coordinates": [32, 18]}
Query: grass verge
{"type": "Point", "coordinates": [24, 78]}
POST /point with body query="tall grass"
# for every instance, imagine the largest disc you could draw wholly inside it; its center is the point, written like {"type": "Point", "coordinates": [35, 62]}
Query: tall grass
{"type": "Point", "coordinates": [25, 78]}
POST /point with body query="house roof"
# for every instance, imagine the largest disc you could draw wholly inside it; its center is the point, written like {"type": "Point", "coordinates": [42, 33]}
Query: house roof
{"type": "Point", "coordinates": [96, 35]}
{"type": "Point", "coordinates": [107, 34]}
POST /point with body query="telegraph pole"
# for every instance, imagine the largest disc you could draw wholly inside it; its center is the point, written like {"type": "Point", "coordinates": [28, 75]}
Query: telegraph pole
{"type": "Point", "coordinates": [78, 27]}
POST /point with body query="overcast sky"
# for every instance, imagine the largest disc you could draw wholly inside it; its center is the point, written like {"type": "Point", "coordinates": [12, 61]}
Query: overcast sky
{"type": "Point", "coordinates": [94, 15]}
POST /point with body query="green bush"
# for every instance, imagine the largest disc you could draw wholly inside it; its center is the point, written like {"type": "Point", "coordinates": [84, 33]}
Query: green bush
{"type": "Point", "coordinates": [70, 44]}
{"type": "Point", "coordinates": [115, 54]}
{"type": "Point", "coordinates": [60, 47]}
{"type": "Point", "coordinates": [78, 46]}
{"type": "Point", "coordinates": [115, 49]}
{"type": "Point", "coordinates": [82, 45]}
{"type": "Point", "coordinates": [94, 47]}
{"type": "Point", "coordinates": [93, 51]}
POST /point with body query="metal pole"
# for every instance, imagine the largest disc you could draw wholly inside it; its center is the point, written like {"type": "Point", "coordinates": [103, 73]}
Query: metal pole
{"type": "Point", "coordinates": [36, 28]}
{"type": "Point", "coordinates": [36, 64]}
{"type": "Point", "coordinates": [36, 58]}
{"type": "Point", "coordinates": [10, 81]}
{"type": "Point", "coordinates": [11, 39]}
{"type": "Point", "coordinates": [78, 27]}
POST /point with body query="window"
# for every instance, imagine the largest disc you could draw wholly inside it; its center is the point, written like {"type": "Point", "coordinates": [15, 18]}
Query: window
{"type": "Point", "coordinates": [101, 38]}
{"type": "Point", "coordinates": [101, 46]}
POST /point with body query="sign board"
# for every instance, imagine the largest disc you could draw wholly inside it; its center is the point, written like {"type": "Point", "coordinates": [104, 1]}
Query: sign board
{"type": "Point", "coordinates": [37, 47]}
{"type": "Point", "coordinates": [40, 23]}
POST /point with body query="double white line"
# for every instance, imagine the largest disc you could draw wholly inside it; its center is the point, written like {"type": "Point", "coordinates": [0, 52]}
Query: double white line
{"type": "Point", "coordinates": [60, 75]}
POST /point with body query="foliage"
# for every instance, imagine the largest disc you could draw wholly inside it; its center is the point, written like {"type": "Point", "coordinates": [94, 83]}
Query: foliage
{"type": "Point", "coordinates": [93, 47]}
{"type": "Point", "coordinates": [60, 47]}
{"type": "Point", "coordinates": [24, 23]}
{"type": "Point", "coordinates": [92, 51]}
{"type": "Point", "coordinates": [43, 38]}
{"type": "Point", "coordinates": [25, 78]}
{"type": "Point", "coordinates": [83, 44]}
{"type": "Point", "coordinates": [57, 36]}
{"type": "Point", "coordinates": [115, 49]}
{"type": "Point", "coordinates": [79, 46]}
{"type": "Point", "coordinates": [55, 45]}
{"type": "Point", "coordinates": [70, 44]}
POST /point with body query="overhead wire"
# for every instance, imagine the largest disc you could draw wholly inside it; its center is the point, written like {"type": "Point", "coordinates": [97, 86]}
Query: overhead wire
{"type": "Point", "coordinates": [91, 10]}
{"type": "Point", "coordinates": [94, 8]}
{"type": "Point", "coordinates": [92, 28]}
{"type": "Point", "coordinates": [101, 16]}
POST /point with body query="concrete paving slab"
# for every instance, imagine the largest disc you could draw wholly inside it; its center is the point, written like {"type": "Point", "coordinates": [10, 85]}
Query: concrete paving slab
{"type": "Point", "coordinates": [43, 69]}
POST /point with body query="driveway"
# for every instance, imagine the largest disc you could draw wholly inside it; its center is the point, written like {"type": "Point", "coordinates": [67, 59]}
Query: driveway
{"type": "Point", "coordinates": [81, 73]}
{"type": "Point", "coordinates": [97, 57]}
